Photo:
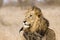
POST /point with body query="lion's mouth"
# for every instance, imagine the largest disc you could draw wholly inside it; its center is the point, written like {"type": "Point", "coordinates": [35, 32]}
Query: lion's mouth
{"type": "Point", "coordinates": [25, 25]}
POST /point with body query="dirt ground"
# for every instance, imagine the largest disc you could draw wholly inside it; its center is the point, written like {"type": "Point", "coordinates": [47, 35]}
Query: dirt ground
{"type": "Point", "coordinates": [11, 21]}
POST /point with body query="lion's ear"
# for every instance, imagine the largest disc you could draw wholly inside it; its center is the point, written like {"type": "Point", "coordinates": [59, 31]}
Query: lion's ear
{"type": "Point", "coordinates": [39, 14]}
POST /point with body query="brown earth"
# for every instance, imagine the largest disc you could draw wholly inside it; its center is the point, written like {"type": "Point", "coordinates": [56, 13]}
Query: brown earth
{"type": "Point", "coordinates": [11, 21]}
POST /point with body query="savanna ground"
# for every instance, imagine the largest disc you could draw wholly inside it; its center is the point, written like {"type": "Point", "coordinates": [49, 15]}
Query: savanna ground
{"type": "Point", "coordinates": [11, 21]}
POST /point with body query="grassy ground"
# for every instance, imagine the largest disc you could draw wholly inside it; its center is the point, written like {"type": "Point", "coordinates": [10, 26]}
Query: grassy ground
{"type": "Point", "coordinates": [11, 21]}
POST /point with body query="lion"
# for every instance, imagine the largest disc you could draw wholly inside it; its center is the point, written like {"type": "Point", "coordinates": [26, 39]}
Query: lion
{"type": "Point", "coordinates": [35, 26]}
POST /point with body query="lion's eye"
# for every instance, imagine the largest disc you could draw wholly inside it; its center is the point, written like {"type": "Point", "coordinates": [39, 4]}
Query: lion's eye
{"type": "Point", "coordinates": [30, 15]}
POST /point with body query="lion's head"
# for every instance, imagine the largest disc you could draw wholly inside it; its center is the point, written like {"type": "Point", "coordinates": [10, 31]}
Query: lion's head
{"type": "Point", "coordinates": [34, 20]}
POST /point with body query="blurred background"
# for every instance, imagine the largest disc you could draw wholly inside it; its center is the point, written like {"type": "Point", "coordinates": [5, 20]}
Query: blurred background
{"type": "Point", "coordinates": [29, 2]}
{"type": "Point", "coordinates": [12, 14]}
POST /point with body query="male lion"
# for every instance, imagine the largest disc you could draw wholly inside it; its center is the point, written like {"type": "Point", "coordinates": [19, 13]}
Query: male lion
{"type": "Point", "coordinates": [35, 26]}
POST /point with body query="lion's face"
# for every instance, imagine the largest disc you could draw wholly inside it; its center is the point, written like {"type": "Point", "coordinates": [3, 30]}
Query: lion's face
{"type": "Point", "coordinates": [30, 17]}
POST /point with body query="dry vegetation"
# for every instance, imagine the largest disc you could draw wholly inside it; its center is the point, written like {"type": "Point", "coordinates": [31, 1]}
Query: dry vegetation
{"type": "Point", "coordinates": [11, 21]}
{"type": "Point", "coordinates": [11, 18]}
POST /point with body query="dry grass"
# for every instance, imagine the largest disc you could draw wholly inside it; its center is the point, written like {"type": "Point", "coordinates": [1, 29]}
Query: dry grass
{"type": "Point", "coordinates": [11, 21]}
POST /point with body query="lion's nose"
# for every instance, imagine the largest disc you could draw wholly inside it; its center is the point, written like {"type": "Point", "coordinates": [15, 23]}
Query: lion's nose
{"type": "Point", "coordinates": [24, 21]}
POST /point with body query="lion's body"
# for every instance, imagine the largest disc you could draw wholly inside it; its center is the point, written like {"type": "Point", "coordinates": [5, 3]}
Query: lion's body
{"type": "Point", "coordinates": [38, 25]}
{"type": "Point", "coordinates": [49, 35]}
